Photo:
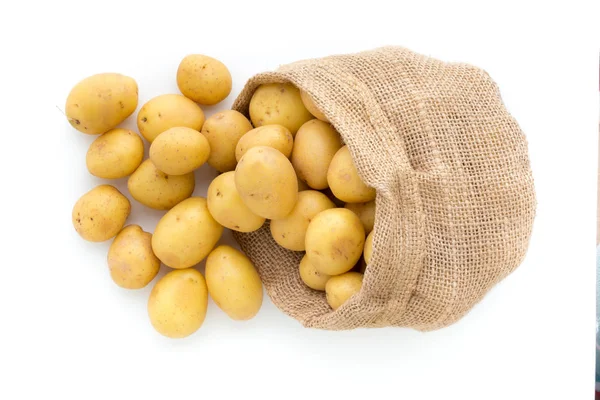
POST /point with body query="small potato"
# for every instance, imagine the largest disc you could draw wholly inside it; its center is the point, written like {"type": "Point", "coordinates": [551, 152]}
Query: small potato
{"type": "Point", "coordinates": [203, 79]}
{"type": "Point", "coordinates": [233, 283]}
{"type": "Point", "coordinates": [266, 182]}
{"type": "Point", "coordinates": [365, 212]}
{"type": "Point", "coordinates": [155, 189]}
{"type": "Point", "coordinates": [344, 181]}
{"type": "Point", "coordinates": [131, 262]}
{"type": "Point", "coordinates": [368, 252]}
{"type": "Point", "coordinates": [115, 154]}
{"type": "Point", "coordinates": [101, 213]}
{"type": "Point", "coordinates": [311, 107]}
{"type": "Point", "coordinates": [340, 288]}
{"type": "Point", "coordinates": [334, 241]}
{"type": "Point", "coordinates": [226, 205]}
{"type": "Point", "coordinates": [311, 277]}
{"type": "Point", "coordinates": [186, 234]}
{"type": "Point", "coordinates": [289, 232]}
{"type": "Point", "coordinates": [275, 136]}
{"type": "Point", "coordinates": [168, 111]}
{"type": "Point", "coordinates": [314, 147]}
{"type": "Point", "coordinates": [223, 130]}
{"type": "Point", "coordinates": [179, 151]}
{"type": "Point", "coordinates": [178, 302]}
{"type": "Point", "coordinates": [100, 102]}
{"type": "Point", "coordinates": [280, 104]}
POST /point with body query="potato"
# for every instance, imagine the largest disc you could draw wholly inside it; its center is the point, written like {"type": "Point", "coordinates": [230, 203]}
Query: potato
{"type": "Point", "coordinates": [280, 104]}
{"type": "Point", "coordinates": [365, 212]}
{"type": "Point", "coordinates": [115, 154]}
{"type": "Point", "coordinates": [100, 214]}
{"type": "Point", "coordinates": [178, 302]}
{"type": "Point", "coordinates": [168, 111]}
{"type": "Point", "coordinates": [275, 136]}
{"type": "Point", "coordinates": [179, 150]}
{"type": "Point", "coordinates": [223, 130]}
{"type": "Point", "coordinates": [226, 205]}
{"type": "Point", "coordinates": [314, 147]}
{"type": "Point", "coordinates": [289, 232]}
{"type": "Point", "coordinates": [203, 79]}
{"type": "Point", "coordinates": [155, 189]}
{"type": "Point", "coordinates": [266, 182]}
{"type": "Point", "coordinates": [311, 107]}
{"type": "Point", "coordinates": [334, 241]}
{"type": "Point", "coordinates": [311, 277]}
{"type": "Point", "coordinates": [344, 181]}
{"type": "Point", "coordinates": [340, 288]}
{"type": "Point", "coordinates": [233, 283]}
{"type": "Point", "coordinates": [100, 102]}
{"type": "Point", "coordinates": [186, 234]}
{"type": "Point", "coordinates": [368, 251]}
{"type": "Point", "coordinates": [131, 262]}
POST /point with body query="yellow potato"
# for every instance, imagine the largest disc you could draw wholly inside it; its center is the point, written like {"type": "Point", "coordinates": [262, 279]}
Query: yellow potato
{"type": "Point", "coordinates": [203, 79]}
{"type": "Point", "coordinates": [223, 130]}
{"type": "Point", "coordinates": [266, 182]}
{"type": "Point", "coordinates": [311, 277]}
{"type": "Point", "coordinates": [179, 151]}
{"type": "Point", "coordinates": [340, 288]}
{"type": "Point", "coordinates": [275, 136]}
{"type": "Point", "coordinates": [233, 283]}
{"type": "Point", "coordinates": [131, 262]}
{"type": "Point", "coordinates": [365, 212]}
{"type": "Point", "coordinates": [280, 104]}
{"type": "Point", "coordinates": [168, 111]}
{"type": "Point", "coordinates": [311, 107]}
{"type": "Point", "coordinates": [344, 181]}
{"type": "Point", "coordinates": [100, 213]}
{"type": "Point", "coordinates": [115, 154]}
{"type": "Point", "coordinates": [289, 232]}
{"type": "Point", "coordinates": [186, 234]}
{"type": "Point", "coordinates": [100, 102]}
{"type": "Point", "coordinates": [226, 205]}
{"type": "Point", "coordinates": [334, 241]}
{"type": "Point", "coordinates": [155, 189]}
{"type": "Point", "coordinates": [178, 302]}
{"type": "Point", "coordinates": [314, 147]}
{"type": "Point", "coordinates": [368, 251]}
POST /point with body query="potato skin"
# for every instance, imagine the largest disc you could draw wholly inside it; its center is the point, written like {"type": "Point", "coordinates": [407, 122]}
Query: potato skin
{"type": "Point", "coordinates": [311, 106]}
{"type": "Point", "coordinates": [100, 102]}
{"type": "Point", "coordinates": [290, 231]}
{"type": "Point", "coordinates": [275, 136]}
{"type": "Point", "coordinates": [368, 251]}
{"type": "Point", "coordinates": [314, 147]}
{"type": "Point", "coordinates": [226, 205]}
{"type": "Point", "coordinates": [233, 283]}
{"type": "Point", "coordinates": [203, 79]}
{"type": "Point", "coordinates": [267, 182]}
{"type": "Point", "coordinates": [131, 262]}
{"type": "Point", "coordinates": [344, 181]}
{"type": "Point", "coordinates": [186, 234]}
{"type": "Point", "coordinates": [168, 111]}
{"type": "Point", "coordinates": [178, 302]}
{"type": "Point", "coordinates": [334, 241]}
{"type": "Point", "coordinates": [365, 212]}
{"type": "Point", "coordinates": [155, 189]}
{"type": "Point", "coordinates": [100, 214]}
{"type": "Point", "coordinates": [115, 154]}
{"type": "Point", "coordinates": [179, 151]}
{"type": "Point", "coordinates": [223, 130]}
{"type": "Point", "coordinates": [311, 277]}
{"type": "Point", "coordinates": [280, 104]}
{"type": "Point", "coordinates": [340, 288]}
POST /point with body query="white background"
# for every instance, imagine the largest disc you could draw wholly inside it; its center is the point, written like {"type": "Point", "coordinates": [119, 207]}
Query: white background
{"type": "Point", "coordinates": [67, 330]}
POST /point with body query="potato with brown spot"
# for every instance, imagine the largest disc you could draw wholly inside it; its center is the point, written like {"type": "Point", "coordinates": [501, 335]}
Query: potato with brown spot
{"type": "Point", "coordinates": [100, 214]}
{"type": "Point", "coordinates": [340, 288]}
{"type": "Point", "coordinates": [223, 130]}
{"type": "Point", "coordinates": [311, 106]}
{"type": "Point", "coordinates": [203, 79]}
{"type": "Point", "coordinates": [365, 212]}
{"type": "Point", "coordinates": [275, 136]}
{"type": "Point", "coordinates": [311, 277]}
{"type": "Point", "coordinates": [115, 154]}
{"type": "Point", "coordinates": [344, 181]}
{"type": "Point", "coordinates": [179, 151]}
{"type": "Point", "coordinates": [131, 262]}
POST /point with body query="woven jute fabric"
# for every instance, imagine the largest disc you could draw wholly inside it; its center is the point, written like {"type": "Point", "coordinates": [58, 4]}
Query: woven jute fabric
{"type": "Point", "coordinates": [455, 194]}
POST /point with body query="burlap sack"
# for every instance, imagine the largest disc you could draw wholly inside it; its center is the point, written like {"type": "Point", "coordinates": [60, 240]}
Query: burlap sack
{"type": "Point", "coordinates": [455, 194]}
